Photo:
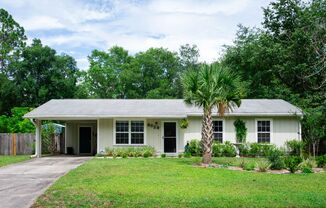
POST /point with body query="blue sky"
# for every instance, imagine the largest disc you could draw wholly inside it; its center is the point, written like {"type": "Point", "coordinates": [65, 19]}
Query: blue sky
{"type": "Point", "coordinates": [76, 27]}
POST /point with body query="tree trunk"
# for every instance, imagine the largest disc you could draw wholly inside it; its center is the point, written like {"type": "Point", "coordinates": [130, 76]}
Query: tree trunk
{"type": "Point", "coordinates": [207, 136]}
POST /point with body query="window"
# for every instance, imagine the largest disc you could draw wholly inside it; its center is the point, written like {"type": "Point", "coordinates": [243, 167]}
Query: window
{"type": "Point", "coordinates": [264, 131]}
{"type": "Point", "coordinates": [122, 132]}
{"type": "Point", "coordinates": [137, 132]}
{"type": "Point", "coordinates": [218, 130]}
{"type": "Point", "coordinates": [129, 132]}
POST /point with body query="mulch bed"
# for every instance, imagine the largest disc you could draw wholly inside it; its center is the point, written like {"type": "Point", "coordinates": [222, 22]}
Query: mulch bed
{"type": "Point", "coordinates": [236, 168]}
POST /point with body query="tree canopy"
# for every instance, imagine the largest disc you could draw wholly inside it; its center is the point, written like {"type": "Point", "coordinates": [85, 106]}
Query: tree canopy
{"type": "Point", "coordinates": [284, 58]}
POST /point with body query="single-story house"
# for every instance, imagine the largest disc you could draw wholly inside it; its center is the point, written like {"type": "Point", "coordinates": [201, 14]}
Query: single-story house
{"type": "Point", "coordinates": [95, 124]}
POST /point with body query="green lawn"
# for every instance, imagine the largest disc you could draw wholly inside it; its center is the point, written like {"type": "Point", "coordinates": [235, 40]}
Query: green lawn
{"type": "Point", "coordinates": [174, 182]}
{"type": "Point", "coordinates": [6, 160]}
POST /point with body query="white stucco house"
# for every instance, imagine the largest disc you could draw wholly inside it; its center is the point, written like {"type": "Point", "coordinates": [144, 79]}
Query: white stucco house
{"type": "Point", "coordinates": [94, 124]}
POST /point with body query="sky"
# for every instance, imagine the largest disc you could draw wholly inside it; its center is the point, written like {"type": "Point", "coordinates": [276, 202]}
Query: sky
{"type": "Point", "coordinates": [76, 27]}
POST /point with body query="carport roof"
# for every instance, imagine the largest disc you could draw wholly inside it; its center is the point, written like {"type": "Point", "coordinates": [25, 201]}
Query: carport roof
{"type": "Point", "coordinates": [63, 109]}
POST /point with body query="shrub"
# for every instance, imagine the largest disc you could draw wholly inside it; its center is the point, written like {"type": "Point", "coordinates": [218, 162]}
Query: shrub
{"type": "Point", "coordinates": [292, 163]}
{"type": "Point", "coordinates": [180, 155]}
{"type": "Point", "coordinates": [241, 130]}
{"type": "Point", "coordinates": [275, 157]}
{"type": "Point", "coordinates": [217, 149]}
{"type": "Point", "coordinates": [145, 151]}
{"type": "Point", "coordinates": [195, 147]}
{"type": "Point", "coordinates": [244, 149]}
{"type": "Point", "coordinates": [229, 150]}
{"type": "Point", "coordinates": [307, 165]}
{"type": "Point", "coordinates": [263, 165]}
{"type": "Point", "coordinates": [163, 155]}
{"type": "Point", "coordinates": [295, 147]}
{"type": "Point", "coordinates": [260, 150]}
{"type": "Point", "coordinates": [249, 166]}
{"type": "Point", "coordinates": [187, 155]}
{"type": "Point", "coordinates": [321, 161]}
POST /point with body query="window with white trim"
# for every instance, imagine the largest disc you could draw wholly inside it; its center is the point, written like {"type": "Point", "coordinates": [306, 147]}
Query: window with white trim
{"type": "Point", "coordinates": [129, 132]}
{"type": "Point", "coordinates": [218, 130]}
{"type": "Point", "coordinates": [264, 131]}
{"type": "Point", "coordinates": [137, 132]}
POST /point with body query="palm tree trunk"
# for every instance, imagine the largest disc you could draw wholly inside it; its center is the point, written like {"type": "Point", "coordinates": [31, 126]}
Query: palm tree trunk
{"type": "Point", "coordinates": [207, 136]}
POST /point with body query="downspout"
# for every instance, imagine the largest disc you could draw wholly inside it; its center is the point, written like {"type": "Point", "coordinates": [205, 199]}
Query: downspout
{"type": "Point", "coordinates": [32, 120]}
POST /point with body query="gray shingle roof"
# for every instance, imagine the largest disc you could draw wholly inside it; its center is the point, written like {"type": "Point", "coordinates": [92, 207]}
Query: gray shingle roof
{"type": "Point", "coordinates": [165, 108]}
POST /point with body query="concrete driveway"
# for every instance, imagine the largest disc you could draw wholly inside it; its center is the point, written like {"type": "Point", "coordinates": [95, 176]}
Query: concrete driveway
{"type": "Point", "coordinates": [22, 183]}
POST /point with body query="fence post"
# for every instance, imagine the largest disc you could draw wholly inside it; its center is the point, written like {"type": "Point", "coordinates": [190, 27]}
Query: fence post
{"type": "Point", "coordinates": [13, 147]}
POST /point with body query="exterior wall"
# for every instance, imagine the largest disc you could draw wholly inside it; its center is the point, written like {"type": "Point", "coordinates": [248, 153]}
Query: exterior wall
{"type": "Point", "coordinates": [72, 134]}
{"type": "Point", "coordinates": [283, 129]}
{"type": "Point", "coordinates": [153, 137]}
{"type": "Point", "coordinates": [105, 134]}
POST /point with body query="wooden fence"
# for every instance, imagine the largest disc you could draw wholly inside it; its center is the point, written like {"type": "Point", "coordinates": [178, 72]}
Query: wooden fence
{"type": "Point", "coordinates": [17, 144]}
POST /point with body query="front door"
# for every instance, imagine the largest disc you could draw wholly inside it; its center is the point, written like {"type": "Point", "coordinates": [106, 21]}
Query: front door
{"type": "Point", "coordinates": [85, 140]}
{"type": "Point", "coordinates": [170, 137]}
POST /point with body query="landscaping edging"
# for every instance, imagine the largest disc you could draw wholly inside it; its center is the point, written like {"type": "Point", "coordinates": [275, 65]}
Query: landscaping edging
{"type": "Point", "coordinates": [236, 168]}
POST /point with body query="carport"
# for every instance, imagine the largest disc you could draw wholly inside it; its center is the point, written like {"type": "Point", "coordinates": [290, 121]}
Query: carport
{"type": "Point", "coordinates": [80, 135]}
{"type": "Point", "coordinates": [80, 132]}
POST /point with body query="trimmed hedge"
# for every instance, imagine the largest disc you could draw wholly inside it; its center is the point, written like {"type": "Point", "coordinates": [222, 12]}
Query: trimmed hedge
{"type": "Point", "coordinates": [219, 149]}
{"type": "Point", "coordinates": [227, 149]}
{"type": "Point", "coordinates": [144, 151]}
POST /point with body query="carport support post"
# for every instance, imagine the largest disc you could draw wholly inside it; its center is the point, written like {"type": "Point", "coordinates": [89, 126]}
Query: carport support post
{"type": "Point", "coordinates": [38, 141]}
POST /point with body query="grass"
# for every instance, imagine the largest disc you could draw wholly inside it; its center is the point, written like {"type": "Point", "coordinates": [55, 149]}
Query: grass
{"type": "Point", "coordinates": [174, 182]}
{"type": "Point", "coordinates": [6, 160]}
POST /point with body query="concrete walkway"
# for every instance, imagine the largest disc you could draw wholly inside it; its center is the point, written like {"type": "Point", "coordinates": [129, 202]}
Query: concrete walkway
{"type": "Point", "coordinates": [22, 183]}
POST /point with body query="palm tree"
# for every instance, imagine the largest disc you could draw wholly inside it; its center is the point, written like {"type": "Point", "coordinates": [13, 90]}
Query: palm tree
{"type": "Point", "coordinates": [212, 86]}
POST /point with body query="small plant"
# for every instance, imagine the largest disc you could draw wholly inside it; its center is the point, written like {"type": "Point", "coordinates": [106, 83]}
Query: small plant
{"type": "Point", "coordinates": [292, 163]}
{"type": "Point", "coordinates": [147, 154]}
{"type": "Point", "coordinates": [275, 157]}
{"type": "Point", "coordinates": [307, 170]}
{"type": "Point", "coordinates": [244, 149]}
{"type": "Point", "coordinates": [184, 123]}
{"type": "Point", "coordinates": [321, 161]}
{"type": "Point", "coordinates": [163, 155]}
{"type": "Point", "coordinates": [249, 166]}
{"type": "Point", "coordinates": [114, 155]}
{"type": "Point", "coordinates": [263, 165]}
{"type": "Point", "coordinates": [307, 165]}
{"type": "Point", "coordinates": [180, 155]}
{"type": "Point", "coordinates": [187, 155]}
{"type": "Point", "coordinates": [124, 155]}
{"type": "Point", "coordinates": [242, 163]}
{"type": "Point", "coordinates": [109, 151]}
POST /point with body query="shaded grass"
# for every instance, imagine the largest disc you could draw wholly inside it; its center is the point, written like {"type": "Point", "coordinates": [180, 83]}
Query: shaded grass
{"type": "Point", "coordinates": [174, 182]}
{"type": "Point", "coordinates": [6, 160]}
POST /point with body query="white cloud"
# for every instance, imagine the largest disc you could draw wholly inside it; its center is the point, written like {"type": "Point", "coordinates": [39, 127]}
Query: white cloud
{"type": "Point", "coordinates": [41, 23]}
{"type": "Point", "coordinates": [135, 25]}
